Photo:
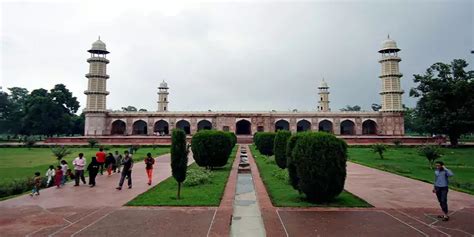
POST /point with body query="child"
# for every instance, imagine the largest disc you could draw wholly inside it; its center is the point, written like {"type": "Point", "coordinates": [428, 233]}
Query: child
{"type": "Point", "coordinates": [70, 174]}
{"type": "Point", "coordinates": [64, 168]}
{"type": "Point", "coordinates": [93, 169]}
{"type": "Point", "coordinates": [149, 161]}
{"type": "Point", "coordinates": [58, 176]}
{"type": "Point", "coordinates": [36, 184]}
{"type": "Point", "coordinates": [50, 174]}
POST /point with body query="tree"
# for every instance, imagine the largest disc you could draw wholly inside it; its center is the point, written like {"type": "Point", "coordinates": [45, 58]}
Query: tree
{"type": "Point", "coordinates": [129, 109]}
{"type": "Point", "coordinates": [179, 157]}
{"type": "Point", "coordinates": [142, 110]}
{"type": "Point", "coordinates": [15, 111]}
{"type": "Point", "coordinates": [279, 148]}
{"type": "Point", "coordinates": [376, 107]}
{"type": "Point", "coordinates": [290, 164]}
{"type": "Point", "coordinates": [320, 161]}
{"type": "Point", "coordinates": [446, 99]}
{"type": "Point", "coordinates": [379, 148]}
{"type": "Point", "coordinates": [351, 108]}
{"type": "Point", "coordinates": [264, 142]}
{"type": "Point", "coordinates": [413, 123]}
{"type": "Point", "coordinates": [60, 152]}
{"type": "Point", "coordinates": [430, 152]}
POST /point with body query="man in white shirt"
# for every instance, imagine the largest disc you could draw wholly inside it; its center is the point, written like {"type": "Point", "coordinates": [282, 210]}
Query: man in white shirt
{"type": "Point", "coordinates": [79, 165]}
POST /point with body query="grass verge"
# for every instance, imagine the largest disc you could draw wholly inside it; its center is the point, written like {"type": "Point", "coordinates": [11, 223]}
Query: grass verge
{"type": "Point", "coordinates": [282, 193]}
{"type": "Point", "coordinates": [208, 194]}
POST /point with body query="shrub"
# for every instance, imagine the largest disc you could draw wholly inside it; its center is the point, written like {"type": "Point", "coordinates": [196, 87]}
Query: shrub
{"type": "Point", "coordinates": [60, 152]}
{"type": "Point", "coordinates": [233, 138]}
{"type": "Point", "coordinates": [179, 157]}
{"type": "Point", "coordinates": [379, 148]}
{"type": "Point", "coordinates": [397, 142]}
{"type": "Point", "coordinates": [264, 142]}
{"type": "Point", "coordinates": [320, 160]}
{"type": "Point", "coordinates": [431, 153]}
{"type": "Point", "coordinates": [17, 186]}
{"type": "Point", "coordinates": [211, 148]}
{"type": "Point", "coordinates": [279, 148]}
{"type": "Point", "coordinates": [293, 176]}
{"type": "Point", "coordinates": [196, 177]}
{"type": "Point", "coordinates": [280, 174]}
{"type": "Point", "coordinates": [92, 142]}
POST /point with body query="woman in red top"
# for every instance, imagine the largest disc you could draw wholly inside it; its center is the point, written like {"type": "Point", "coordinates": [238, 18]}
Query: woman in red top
{"type": "Point", "coordinates": [58, 176]}
{"type": "Point", "coordinates": [149, 161]}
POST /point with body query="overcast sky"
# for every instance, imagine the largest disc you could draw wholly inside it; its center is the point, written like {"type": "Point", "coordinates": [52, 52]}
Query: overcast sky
{"type": "Point", "coordinates": [252, 55]}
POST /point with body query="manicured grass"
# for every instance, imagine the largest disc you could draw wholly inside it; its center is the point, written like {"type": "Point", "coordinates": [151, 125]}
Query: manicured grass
{"type": "Point", "coordinates": [209, 194]}
{"type": "Point", "coordinates": [282, 193]}
{"type": "Point", "coordinates": [19, 163]}
{"type": "Point", "coordinates": [405, 161]}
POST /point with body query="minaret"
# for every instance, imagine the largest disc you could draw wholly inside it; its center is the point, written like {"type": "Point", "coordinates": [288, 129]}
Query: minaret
{"type": "Point", "coordinates": [163, 97]}
{"type": "Point", "coordinates": [97, 85]}
{"type": "Point", "coordinates": [323, 97]}
{"type": "Point", "coordinates": [96, 90]}
{"type": "Point", "coordinates": [391, 89]}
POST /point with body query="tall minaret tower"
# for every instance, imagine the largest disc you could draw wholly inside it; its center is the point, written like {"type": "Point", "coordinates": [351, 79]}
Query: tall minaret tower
{"type": "Point", "coordinates": [96, 90]}
{"type": "Point", "coordinates": [163, 97]}
{"type": "Point", "coordinates": [391, 90]}
{"type": "Point", "coordinates": [323, 97]}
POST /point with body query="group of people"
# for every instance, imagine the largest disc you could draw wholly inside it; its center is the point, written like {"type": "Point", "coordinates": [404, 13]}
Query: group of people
{"type": "Point", "coordinates": [115, 163]}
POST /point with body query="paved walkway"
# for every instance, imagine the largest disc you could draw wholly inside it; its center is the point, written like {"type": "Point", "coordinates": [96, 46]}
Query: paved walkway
{"type": "Point", "coordinates": [386, 190]}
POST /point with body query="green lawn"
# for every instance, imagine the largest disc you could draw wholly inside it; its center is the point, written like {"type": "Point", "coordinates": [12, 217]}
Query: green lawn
{"type": "Point", "coordinates": [209, 194]}
{"type": "Point", "coordinates": [407, 162]}
{"type": "Point", "coordinates": [19, 163]}
{"type": "Point", "coordinates": [282, 193]}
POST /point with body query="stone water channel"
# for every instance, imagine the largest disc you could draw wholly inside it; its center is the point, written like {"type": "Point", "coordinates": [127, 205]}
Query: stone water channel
{"type": "Point", "coordinates": [246, 219]}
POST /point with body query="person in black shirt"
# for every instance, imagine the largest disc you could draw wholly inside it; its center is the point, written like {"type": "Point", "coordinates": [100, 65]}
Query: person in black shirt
{"type": "Point", "coordinates": [93, 169]}
{"type": "Point", "coordinates": [127, 163]}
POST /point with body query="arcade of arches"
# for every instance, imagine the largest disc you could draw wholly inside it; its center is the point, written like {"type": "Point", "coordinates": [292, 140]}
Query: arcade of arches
{"type": "Point", "coordinates": [244, 126]}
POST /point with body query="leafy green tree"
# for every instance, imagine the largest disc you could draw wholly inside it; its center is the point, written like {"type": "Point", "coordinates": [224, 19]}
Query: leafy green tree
{"type": "Point", "coordinates": [211, 148]}
{"type": "Point", "coordinates": [430, 152]}
{"type": "Point", "coordinates": [379, 148]}
{"type": "Point", "coordinates": [376, 107]}
{"type": "Point", "coordinates": [179, 157]}
{"type": "Point", "coordinates": [142, 110]}
{"type": "Point", "coordinates": [446, 99]}
{"type": "Point", "coordinates": [413, 123]}
{"type": "Point", "coordinates": [279, 148]}
{"type": "Point", "coordinates": [60, 152]}
{"type": "Point", "coordinates": [129, 109]}
{"type": "Point", "coordinates": [15, 111]}
{"type": "Point", "coordinates": [351, 108]}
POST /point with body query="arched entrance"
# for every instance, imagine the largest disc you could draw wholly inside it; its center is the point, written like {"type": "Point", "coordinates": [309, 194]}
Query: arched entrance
{"type": "Point", "coordinates": [118, 128]}
{"type": "Point", "coordinates": [325, 126]}
{"type": "Point", "coordinates": [204, 125]}
{"type": "Point", "coordinates": [183, 124]}
{"type": "Point", "coordinates": [282, 125]}
{"type": "Point", "coordinates": [369, 127]}
{"type": "Point", "coordinates": [243, 127]}
{"type": "Point", "coordinates": [161, 128]}
{"type": "Point", "coordinates": [347, 127]}
{"type": "Point", "coordinates": [303, 125]}
{"type": "Point", "coordinates": [140, 128]}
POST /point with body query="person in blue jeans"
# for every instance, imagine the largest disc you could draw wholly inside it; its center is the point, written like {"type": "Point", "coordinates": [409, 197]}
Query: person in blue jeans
{"type": "Point", "coordinates": [441, 183]}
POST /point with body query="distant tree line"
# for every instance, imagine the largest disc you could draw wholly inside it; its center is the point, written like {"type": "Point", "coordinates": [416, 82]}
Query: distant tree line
{"type": "Point", "coordinates": [40, 112]}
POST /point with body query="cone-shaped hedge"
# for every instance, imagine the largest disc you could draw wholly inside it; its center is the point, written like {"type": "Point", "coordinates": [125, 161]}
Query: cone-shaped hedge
{"type": "Point", "coordinates": [211, 148]}
{"type": "Point", "coordinates": [320, 161]}
{"type": "Point", "coordinates": [279, 148]}
{"type": "Point", "coordinates": [264, 142]}
{"type": "Point", "coordinates": [179, 157]}
{"type": "Point", "coordinates": [289, 160]}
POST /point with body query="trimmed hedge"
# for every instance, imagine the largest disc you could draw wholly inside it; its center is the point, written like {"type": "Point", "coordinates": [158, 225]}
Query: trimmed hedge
{"type": "Point", "coordinates": [320, 161]}
{"type": "Point", "coordinates": [233, 138]}
{"type": "Point", "coordinates": [279, 147]}
{"type": "Point", "coordinates": [293, 177]}
{"type": "Point", "coordinates": [264, 142]}
{"type": "Point", "coordinates": [211, 148]}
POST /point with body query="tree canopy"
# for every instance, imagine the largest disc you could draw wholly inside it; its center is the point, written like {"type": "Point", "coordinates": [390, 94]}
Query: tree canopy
{"type": "Point", "coordinates": [351, 108]}
{"type": "Point", "coordinates": [446, 99]}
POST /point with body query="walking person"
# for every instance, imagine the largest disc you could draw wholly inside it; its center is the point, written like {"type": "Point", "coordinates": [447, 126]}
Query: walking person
{"type": "Point", "coordinates": [64, 168]}
{"type": "Point", "coordinates": [110, 163]}
{"type": "Point", "coordinates": [127, 163]}
{"type": "Point", "coordinates": [93, 169]}
{"type": "Point", "coordinates": [118, 161]}
{"type": "Point", "coordinates": [442, 175]}
{"type": "Point", "coordinates": [149, 161]}
{"type": "Point", "coordinates": [58, 176]}
{"type": "Point", "coordinates": [100, 156]}
{"type": "Point", "coordinates": [36, 184]}
{"type": "Point", "coordinates": [79, 165]}
{"type": "Point", "coordinates": [50, 175]}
